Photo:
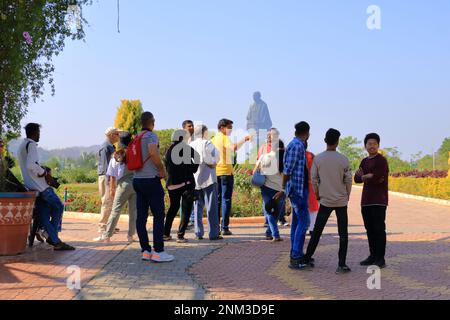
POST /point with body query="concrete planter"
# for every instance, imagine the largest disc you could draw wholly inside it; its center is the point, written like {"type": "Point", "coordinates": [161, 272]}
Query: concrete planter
{"type": "Point", "coordinates": [16, 213]}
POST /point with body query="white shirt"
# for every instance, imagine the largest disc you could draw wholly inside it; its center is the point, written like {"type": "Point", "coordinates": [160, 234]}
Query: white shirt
{"type": "Point", "coordinates": [270, 168]}
{"type": "Point", "coordinates": [115, 169]}
{"type": "Point", "coordinates": [209, 156]}
{"type": "Point", "coordinates": [30, 167]}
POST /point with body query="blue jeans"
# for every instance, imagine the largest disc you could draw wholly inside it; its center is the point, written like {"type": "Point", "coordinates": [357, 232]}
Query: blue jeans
{"type": "Point", "coordinates": [225, 191]}
{"type": "Point", "coordinates": [282, 216]}
{"type": "Point", "coordinates": [207, 197]}
{"type": "Point", "coordinates": [50, 210]}
{"type": "Point", "coordinates": [300, 223]}
{"type": "Point", "coordinates": [267, 195]}
{"type": "Point", "coordinates": [150, 194]}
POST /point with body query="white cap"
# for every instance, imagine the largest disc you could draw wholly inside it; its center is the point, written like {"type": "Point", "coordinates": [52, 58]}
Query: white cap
{"type": "Point", "coordinates": [111, 130]}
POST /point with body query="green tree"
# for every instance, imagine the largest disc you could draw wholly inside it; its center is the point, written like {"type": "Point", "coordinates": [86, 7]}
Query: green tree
{"type": "Point", "coordinates": [87, 161]}
{"type": "Point", "coordinates": [128, 116]}
{"type": "Point", "coordinates": [348, 146]}
{"type": "Point", "coordinates": [425, 163]}
{"type": "Point", "coordinates": [445, 148]}
{"type": "Point", "coordinates": [54, 163]}
{"type": "Point", "coordinates": [165, 137]}
{"type": "Point", "coordinates": [31, 34]}
{"type": "Point", "coordinates": [396, 164]}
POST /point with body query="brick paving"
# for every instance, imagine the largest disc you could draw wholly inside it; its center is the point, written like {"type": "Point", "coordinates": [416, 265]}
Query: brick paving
{"type": "Point", "coordinates": [242, 266]}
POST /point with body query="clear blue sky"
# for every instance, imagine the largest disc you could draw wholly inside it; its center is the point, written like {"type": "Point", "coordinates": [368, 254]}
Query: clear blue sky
{"type": "Point", "coordinates": [312, 60]}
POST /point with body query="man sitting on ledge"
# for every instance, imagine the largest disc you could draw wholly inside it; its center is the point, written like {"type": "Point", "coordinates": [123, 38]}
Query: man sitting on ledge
{"type": "Point", "coordinates": [38, 178]}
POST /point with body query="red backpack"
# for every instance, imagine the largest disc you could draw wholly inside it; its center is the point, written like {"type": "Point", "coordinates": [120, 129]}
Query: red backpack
{"type": "Point", "coordinates": [134, 154]}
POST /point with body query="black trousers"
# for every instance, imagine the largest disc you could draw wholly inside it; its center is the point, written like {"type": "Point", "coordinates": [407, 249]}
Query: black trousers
{"type": "Point", "coordinates": [375, 224]}
{"type": "Point", "coordinates": [179, 197]}
{"type": "Point", "coordinates": [322, 218]}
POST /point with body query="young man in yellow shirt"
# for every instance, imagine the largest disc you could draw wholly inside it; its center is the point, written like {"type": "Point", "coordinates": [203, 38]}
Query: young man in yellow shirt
{"type": "Point", "coordinates": [225, 170]}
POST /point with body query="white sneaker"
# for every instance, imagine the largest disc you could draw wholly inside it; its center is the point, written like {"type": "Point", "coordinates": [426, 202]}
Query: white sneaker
{"type": "Point", "coordinates": [162, 257]}
{"type": "Point", "coordinates": [147, 256]}
{"type": "Point", "coordinates": [130, 239]}
{"type": "Point", "coordinates": [103, 239]}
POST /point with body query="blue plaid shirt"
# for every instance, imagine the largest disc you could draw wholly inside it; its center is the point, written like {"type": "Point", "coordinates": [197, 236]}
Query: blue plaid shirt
{"type": "Point", "coordinates": [294, 166]}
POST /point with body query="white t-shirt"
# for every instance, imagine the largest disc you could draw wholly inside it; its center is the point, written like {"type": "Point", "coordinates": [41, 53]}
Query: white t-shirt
{"type": "Point", "coordinates": [269, 168]}
{"type": "Point", "coordinates": [29, 165]}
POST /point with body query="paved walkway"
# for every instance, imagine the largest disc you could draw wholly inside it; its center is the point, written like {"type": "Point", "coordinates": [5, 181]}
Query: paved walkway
{"type": "Point", "coordinates": [243, 266]}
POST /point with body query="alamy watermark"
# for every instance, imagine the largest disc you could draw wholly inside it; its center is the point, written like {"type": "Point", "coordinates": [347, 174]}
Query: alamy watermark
{"type": "Point", "coordinates": [74, 17]}
{"type": "Point", "coordinates": [374, 19]}
{"type": "Point", "coordinates": [374, 281]}
{"type": "Point", "coordinates": [74, 279]}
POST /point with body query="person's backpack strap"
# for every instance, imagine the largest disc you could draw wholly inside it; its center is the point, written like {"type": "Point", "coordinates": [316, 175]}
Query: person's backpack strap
{"type": "Point", "coordinates": [26, 147]}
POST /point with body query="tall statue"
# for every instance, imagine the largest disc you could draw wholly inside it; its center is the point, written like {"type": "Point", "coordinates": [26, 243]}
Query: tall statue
{"type": "Point", "coordinates": [258, 124]}
{"type": "Point", "coordinates": [258, 117]}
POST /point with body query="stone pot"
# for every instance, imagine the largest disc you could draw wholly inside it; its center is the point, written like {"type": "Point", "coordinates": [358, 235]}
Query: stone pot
{"type": "Point", "coordinates": [16, 213]}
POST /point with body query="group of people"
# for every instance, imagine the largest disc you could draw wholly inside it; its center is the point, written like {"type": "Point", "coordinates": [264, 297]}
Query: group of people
{"type": "Point", "coordinates": [199, 176]}
{"type": "Point", "coordinates": [317, 186]}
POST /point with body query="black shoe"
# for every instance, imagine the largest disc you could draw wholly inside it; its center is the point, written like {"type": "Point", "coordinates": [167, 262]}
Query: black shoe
{"type": "Point", "coordinates": [182, 240]}
{"type": "Point", "coordinates": [308, 261]}
{"type": "Point", "coordinates": [216, 238]}
{"type": "Point", "coordinates": [380, 264]}
{"type": "Point", "coordinates": [298, 264]}
{"type": "Point", "coordinates": [227, 233]}
{"type": "Point", "coordinates": [50, 242]}
{"type": "Point", "coordinates": [368, 262]}
{"type": "Point", "coordinates": [63, 247]}
{"type": "Point", "coordinates": [269, 238]}
{"type": "Point", "coordinates": [343, 269]}
{"type": "Point", "coordinates": [199, 238]}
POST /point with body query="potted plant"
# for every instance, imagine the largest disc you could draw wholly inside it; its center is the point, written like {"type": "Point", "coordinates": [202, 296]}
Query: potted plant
{"type": "Point", "coordinates": [16, 212]}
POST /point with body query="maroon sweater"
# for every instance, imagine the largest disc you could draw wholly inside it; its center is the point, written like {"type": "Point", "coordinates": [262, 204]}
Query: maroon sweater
{"type": "Point", "coordinates": [375, 191]}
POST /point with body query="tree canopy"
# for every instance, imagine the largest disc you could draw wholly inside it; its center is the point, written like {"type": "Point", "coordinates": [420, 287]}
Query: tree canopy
{"type": "Point", "coordinates": [31, 34]}
{"type": "Point", "coordinates": [128, 116]}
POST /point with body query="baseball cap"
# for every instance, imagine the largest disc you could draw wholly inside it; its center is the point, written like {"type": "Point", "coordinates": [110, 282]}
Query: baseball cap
{"type": "Point", "coordinates": [112, 130]}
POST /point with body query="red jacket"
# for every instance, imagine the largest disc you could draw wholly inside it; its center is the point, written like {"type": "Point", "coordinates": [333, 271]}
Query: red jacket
{"type": "Point", "coordinates": [313, 203]}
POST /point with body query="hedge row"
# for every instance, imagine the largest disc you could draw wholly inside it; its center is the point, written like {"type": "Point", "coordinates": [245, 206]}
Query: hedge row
{"type": "Point", "coordinates": [438, 188]}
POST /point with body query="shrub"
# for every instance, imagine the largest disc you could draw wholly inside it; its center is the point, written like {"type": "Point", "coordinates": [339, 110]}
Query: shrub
{"type": "Point", "coordinates": [422, 174]}
{"type": "Point", "coordinates": [77, 175]}
{"type": "Point", "coordinates": [438, 188]}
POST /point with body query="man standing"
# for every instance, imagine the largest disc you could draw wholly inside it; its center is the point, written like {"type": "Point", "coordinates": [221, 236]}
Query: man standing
{"type": "Point", "coordinates": [374, 173]}
{"type": "Point", "coordinates": [206, 184]}
{"type": "Point", "coordinates": [295, 184]}
{"type": "Point", "coordinates": [225, 170]}
{"type": "Point", "coordinates": [122, 191]}
{"type": "Point", "coordinates": [104, 157]}
{"type": "Point", "coordinates": [181, 162]}
{"type": "Point", "coordinates": [258, 118]}
{"type": "Point", "coordinates": [332, 184]}
{"type": "Point", "coordinates": [150, 193]}
{"type": "Point", "coordinates": [37, 178]}
{"type": "Point", "coordinates": [188, 126]}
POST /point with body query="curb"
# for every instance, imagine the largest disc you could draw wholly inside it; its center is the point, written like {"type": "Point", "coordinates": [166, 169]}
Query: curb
{"type": "Point", "coordinates": [94, 217]}
{"type": "Point", "coordinates": [414, 197]}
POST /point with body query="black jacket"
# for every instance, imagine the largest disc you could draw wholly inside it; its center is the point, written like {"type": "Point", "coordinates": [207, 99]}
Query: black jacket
{"type": "Point", "coordinates": [181, 169]}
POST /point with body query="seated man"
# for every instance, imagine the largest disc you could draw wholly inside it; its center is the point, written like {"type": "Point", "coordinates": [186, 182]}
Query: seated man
{"type": "Point", "coordinates": [39, 179]}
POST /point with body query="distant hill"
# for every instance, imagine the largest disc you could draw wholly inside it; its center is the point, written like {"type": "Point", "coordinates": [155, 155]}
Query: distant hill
{"type": "Point", "coordinates": [64, 153]}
